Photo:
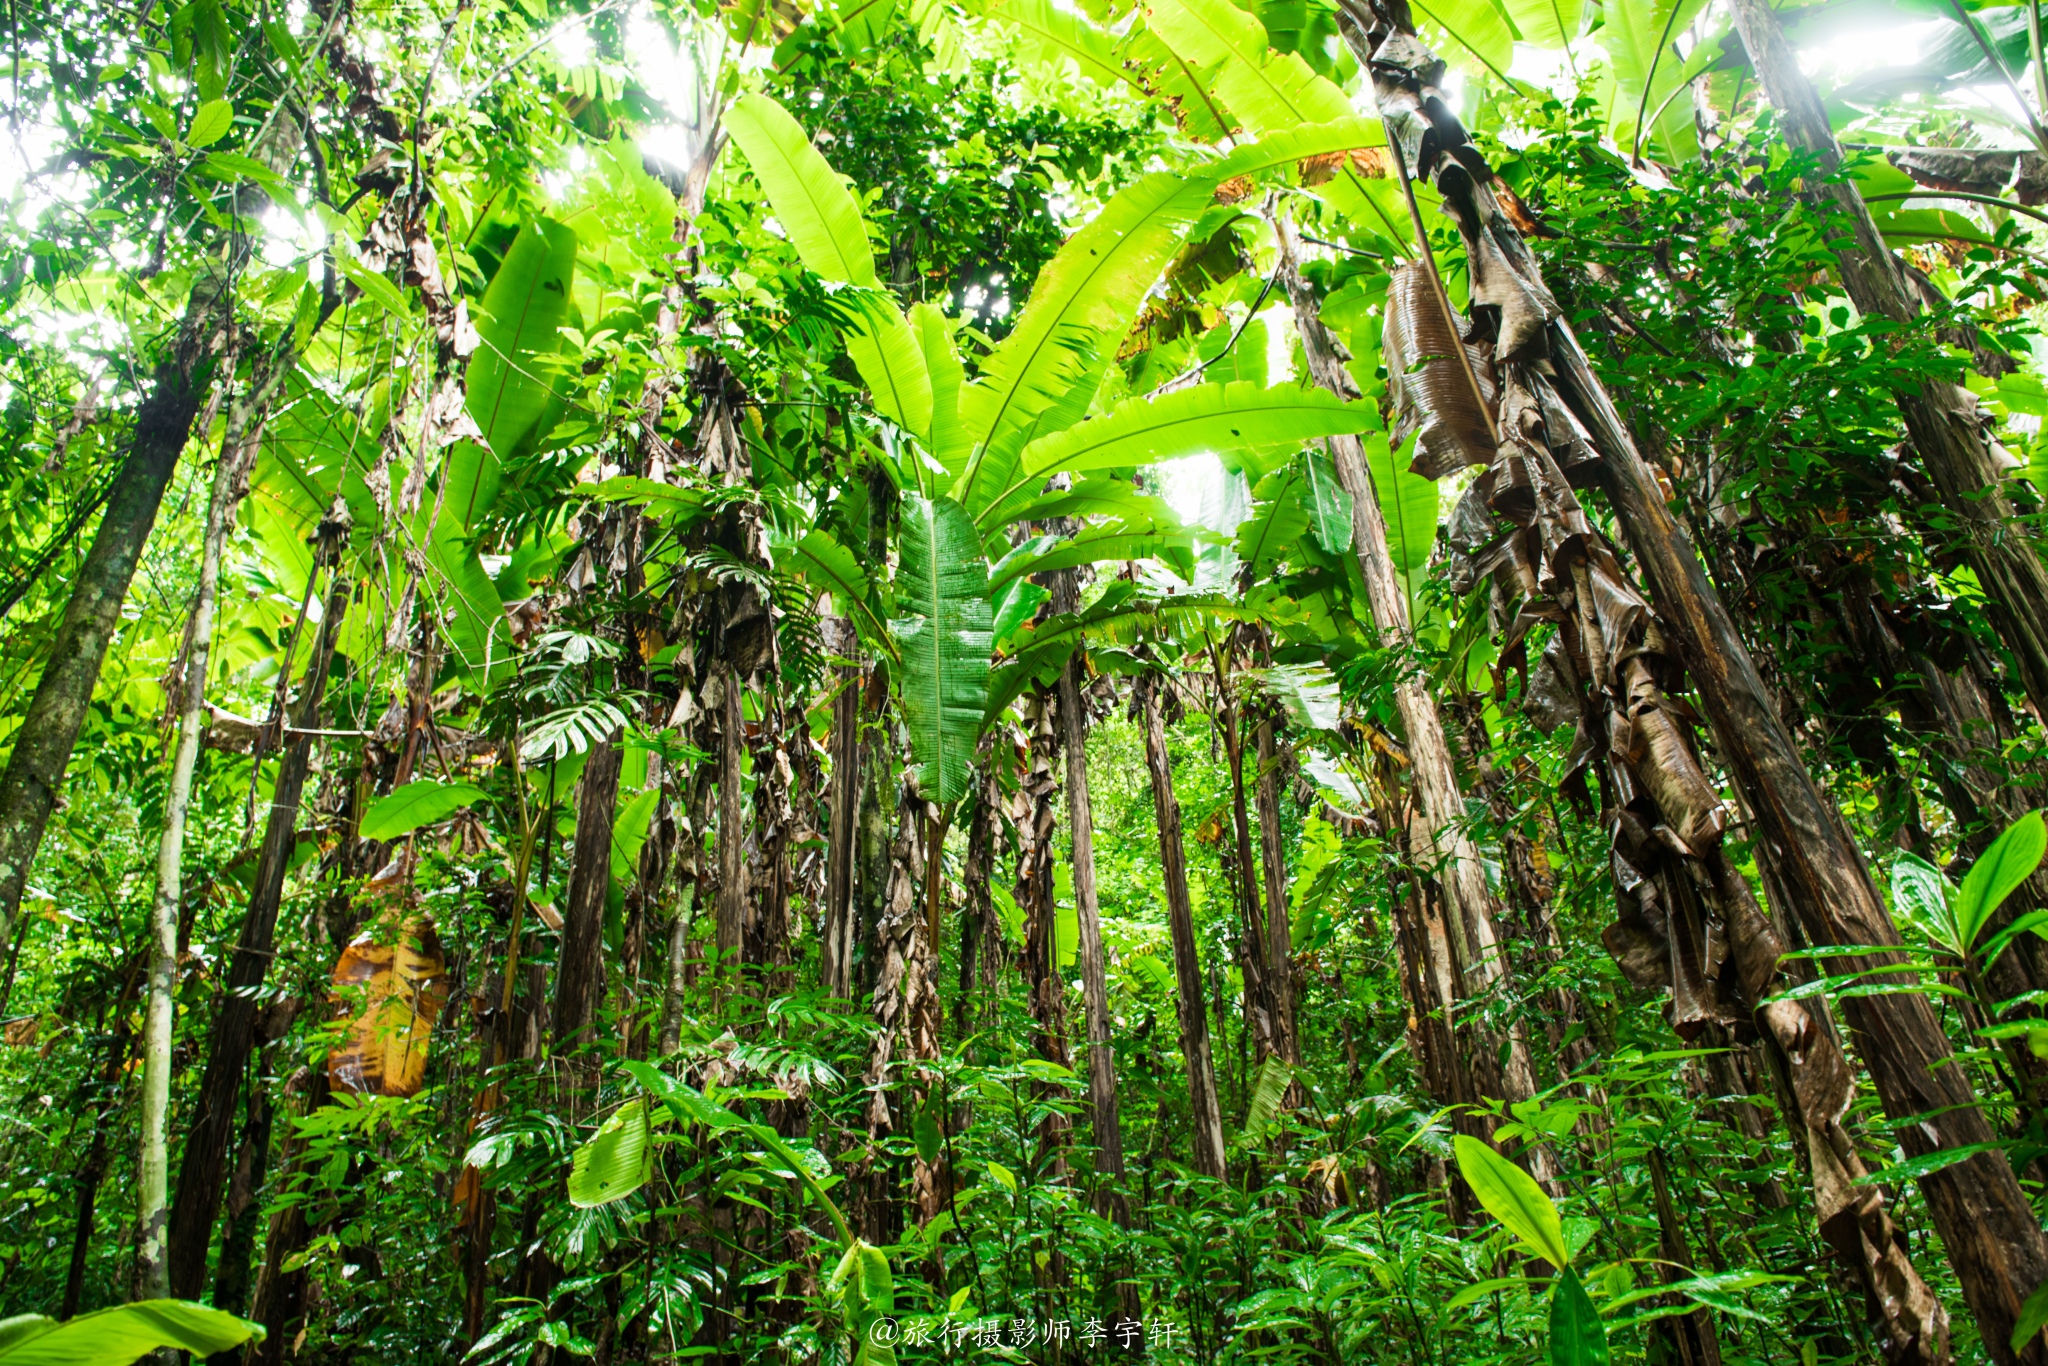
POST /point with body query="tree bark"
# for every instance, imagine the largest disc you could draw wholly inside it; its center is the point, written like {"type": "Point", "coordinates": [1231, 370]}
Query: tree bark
{"type": "Point", "coordinates": [579, 973]}
{"type": "Point", "coordinates": [34, 776]}
{"type": "Point", "coordinates": [1206, 1114]}
{"type": "Point", "coordinates": [732, 863]}
{"type": "Point", "coordinates": [843, 818]}
{"type": "Point", "coordinates": [201, 1174]}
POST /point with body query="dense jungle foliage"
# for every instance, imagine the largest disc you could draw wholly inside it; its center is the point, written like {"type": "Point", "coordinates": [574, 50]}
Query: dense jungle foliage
{"type": "Point", "coordinates": [900, 680]}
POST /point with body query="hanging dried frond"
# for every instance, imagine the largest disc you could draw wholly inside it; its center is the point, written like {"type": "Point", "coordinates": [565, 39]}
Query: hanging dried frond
{"type": "Point", "coordinates": [1439, 399]}
{"type": "Point", "coordinates": [391, 987]}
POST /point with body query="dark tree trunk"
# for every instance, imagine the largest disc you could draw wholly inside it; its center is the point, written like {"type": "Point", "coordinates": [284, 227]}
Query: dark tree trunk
{"type": "Point", "coordinates": [840, 924]}
{"type": "Point", "coordinates": [579, 974]}
{"type": "Point", "coordinates": [34, 777]}
{"type": "Point", "coordinates": [203, 1170]}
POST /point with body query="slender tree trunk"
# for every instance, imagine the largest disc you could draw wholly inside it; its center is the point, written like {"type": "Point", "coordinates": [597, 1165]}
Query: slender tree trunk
{"type": "Point", "coordinates": [844, 818]}
{"type": "Point", "coordinates": [579, 973]}
{"type": "Point", "coordinates": [1206, 1114]}
{"type": "Point", "coordinates": [732, 863]}
{"type": "Point", "coordinates": [1037, 853]}
{"type": "Point", "coordinates": [1279, 945]}
{"type": "Point", "coordinates": [153, 1168]}
{"type": "Point", "coordinates": [203, 1170]}
{"type": "Point", "coordinates": [1107, 1123]}
{"type": "Point", "coordinates": [34, 776]}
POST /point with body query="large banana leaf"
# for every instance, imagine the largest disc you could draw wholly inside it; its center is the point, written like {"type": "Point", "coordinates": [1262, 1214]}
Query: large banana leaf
{"type": "Point", "coordinates": [1268, 91]}
{"type": "Point", "coordinates": [1100, 541]}
{"type": "Point", "coordinates": [824, 224]}
{"type": "Point", "coordinates": [1467, 29]}
{"type": "Point", "coordinates": [1185, 87]}
{"type": "Point", "coordinates": [1279, 519]}
{"type": "Point", "coordinates": [1290, 146]}
{"type": "Point", "coordinates": [1408, 503]}
{"type": "Point", "coordinates": [1550, 23]}
{"type": "Point", "coordinates": [124, 1333]}
{"type": "Point", "coordinates": [811, 203]}
{"type": "Point", "coordinates": [510, 401]}
{"type": "Point", "coordinates": [1082, 303]}
{"type": "Point", "coordinates": [1052, 35]}
{"type": "Point", "coordinates": [945, 636]}
{"type": "Point", "coordinates": [942, 367]}
{"type": "Point", "coordinates": [1638, 36]}
{"type": "Point", "coordinates": [1204, 417]}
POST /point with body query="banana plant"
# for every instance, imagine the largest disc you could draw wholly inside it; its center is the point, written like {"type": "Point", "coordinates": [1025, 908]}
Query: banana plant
{"type": "Point", "coordinates": [978, 453]}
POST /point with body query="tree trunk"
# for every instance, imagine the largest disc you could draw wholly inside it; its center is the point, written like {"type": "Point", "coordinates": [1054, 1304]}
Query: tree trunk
{"type": "Point", "coordinates": [203, 1170]}
{"type": "Point", "coordinates": [1986, 1225]}
{"type": "Point", "coordinates": [1279, 945]}
{"type": "Point", "coordinates": [840, 924]}
{"type": "Point", "coordinates": [732, 863]}
{"type": "Point", "coordinates": [1206, 1114]}
{"type": "Point", "coordinates": [1106, 1122]}
{"type": "Point", "coordinates": [1037, 853]}
{"type": "Point", "coordinates": [579, 973]}
{"type": "Point", "coordinates": [34, 777]}
{"type": "Point", "coordinates": [153, 1167]}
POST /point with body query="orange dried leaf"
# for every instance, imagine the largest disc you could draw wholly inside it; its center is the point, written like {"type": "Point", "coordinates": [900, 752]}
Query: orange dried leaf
{"type": "Point", "coordinates": [391, 987]}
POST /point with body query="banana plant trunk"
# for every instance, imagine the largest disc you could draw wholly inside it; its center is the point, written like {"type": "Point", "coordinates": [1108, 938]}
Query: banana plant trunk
{"type": "Point", "coordinates": [203, 1171]}
{"type": "Point", "coordinates": [1986, 1224]}
{"type": "Point", "coordinates": [1106, 1121]}
{"type": "Point", "coordinates": [1205, 1113]}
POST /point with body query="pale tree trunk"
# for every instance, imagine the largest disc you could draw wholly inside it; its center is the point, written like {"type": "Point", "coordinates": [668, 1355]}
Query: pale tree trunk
{"type": "Point", "coordinates": [1206, 1114]}
{"type": "Point", "coordinates": [1987, 1227]}
{"type": "Point", "coordinates": [844, 807]}
{"type": "Point", "coordinates": [153, 1168]}
{"type": "Point", "coordinates": [1436, 829]}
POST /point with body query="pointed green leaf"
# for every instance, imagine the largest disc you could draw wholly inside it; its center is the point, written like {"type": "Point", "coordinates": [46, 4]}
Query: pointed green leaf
{"type": "Point", "coordinates": [949, 441]}
{"type": "Point", "coordinates": [1920, 897]}
{"type": "Point", "coordinates": [1275, 1076]}
{"type": "Point", "coordinates": [1577, 1337]}
{"type": "Point", "coordinates": [615, 1161]}
{"type": "Point", "coordinates": [811, 202]}
{"type": "Point", "coordinates": [1051, 36]}
{"type": "Point", "coordinates": [886, 352]}
{"type": "Point", "coordinates": [511, 403]}
{"type": "Point", "coordinates": [1268, 91]}
{"type": "Point", "coordinates": [1288, 147]}
{"type": "Point", "coordinates": [407, 808]}
{"type": "Point", "coordinates": [122, 1334]}
{"type": "Point", "coordinates": [945, 640]}
{"type": "Point", "coordinates": [210, 123]}
{"type": "Point", "coordinates": [1512, 1196]}
{"type": "Point", "coordinates": [1997, 874]}
{"type": "Point", "coordinates": [1639, 37]}
{"type": "Point", "coordinates": [1082, 304]}
{"type": "Point", "coordinates": [1329, 504]}
{"type": "Point", "coordinates": [1203, 417]}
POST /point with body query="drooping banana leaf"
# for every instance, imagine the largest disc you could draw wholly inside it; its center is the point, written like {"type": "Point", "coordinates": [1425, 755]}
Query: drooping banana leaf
{"type": "Point", "coordinates": [945, 638]}
{"type": "Point", "coordinates": [812, 204]}
{"type": "Point", "coordinates": [1279, 519]}
{"type": "Point", "coordinates": [1185, 87]}
{"type": "Point", "coordinates": [833, 568]}
{"type": "Point", "coordinates": [1638, 36]}
{"type": "Point", "coordinates": [505, 393]}
{"type": "Point", "coordinates": [1204, 417]}
{"type": "Point", "coordinates": [1268, 91]}
{"type": "Point", "coordinates": [1082, 303]}
{"type": "Point", "coordinates": [824, 224]}
{"type": "Point", "coordinates": [1291, 146]}
{"type": "Point", "coordinates": [1050, 35]}
{"type": "Point", "coordinates": [1096, 542]}
{"type": "Point", "coordinates": [1308, 692]}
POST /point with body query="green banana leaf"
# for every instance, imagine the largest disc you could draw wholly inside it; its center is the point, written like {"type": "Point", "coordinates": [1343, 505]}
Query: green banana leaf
{"type": "Point", "coordinates": [945, 637]}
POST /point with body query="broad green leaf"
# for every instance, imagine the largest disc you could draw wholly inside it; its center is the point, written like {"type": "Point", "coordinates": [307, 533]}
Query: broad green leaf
{"type": "Point", "coordinates": [949, 442]}
{"type": "Point", "coordinates": [629, 835]}
{"type": "Point", "coordinates": [868, 1292]}
{"type": "Point", "coordinates": [1275, 1076]}
{"type": "Point", "coordinates": [415, 804]}
{"type": "Point", "coordinates": [1309, 693]}
{"type": "Point", "coordinates": [1467, 31]}
{"type": "Point", "coordinates": [1202, 417]}
{"type": "Point", "coordinates": [1638, 36]}
{"type": "Point", "coordinates": [1082, 305]}
{"type": "Point", "coordinates": [1015, 605]}
{"type": "Point", "coordinates": [1472, 1294]}
{"type": "Point", "coordinates": [1290, 146]}
{"type": "Point", "coordinates": [1997, 874]}
{"type": "Point", "coordinates": [1577, 1337]}
{"type": "Point", "coordinates": [885, 350]}
{"type": "Point", "coordinates": [1550, 23]}
{"type": "Point", "coordinates": [506, 395]}
{"type": "Point", "coordinates": [1268, 91]}
{"type": "Point", "coordinates": [1512, 1196]}
{"type": "Point", "coordinates": [945, 638]}
{"type": "Point", "coordinates": [1095, 543]}
{"type": "Point", "coordinates": [2033, 1318]}
{"type": "Point", "coordinates": [1278, 522]}
{"type": "Point", "coordinates": [811, 203]}
{"type": "Point", "coordinates": [122, 1334]}
{"type": "Point", "coordinates": [210, 123]}
{"type": "Point", "coordinates": [1329, 504]}
{"type": "Point", "coordinates": [831, 566]}
{"type": "Point", "coordinates": [615, 1161]}
{"type": "Point", "coordinates": [1050, 35]}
